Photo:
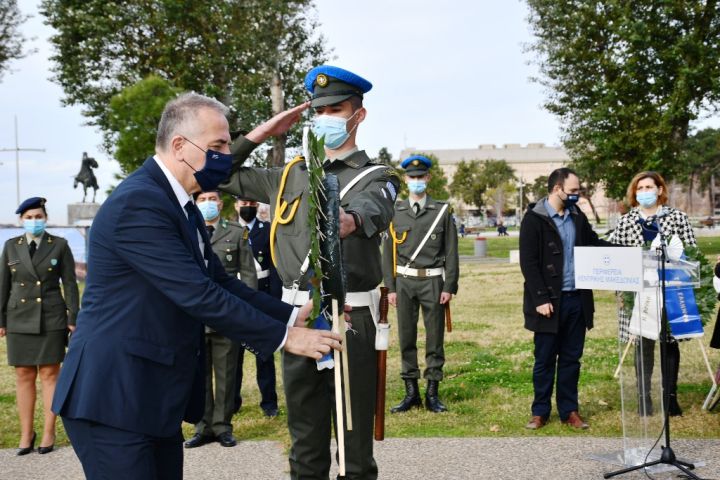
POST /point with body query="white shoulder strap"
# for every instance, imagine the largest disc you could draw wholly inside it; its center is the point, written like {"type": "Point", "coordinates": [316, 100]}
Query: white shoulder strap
{"type": "Point", "coordinates": [427, 235]}
{"type": "Point", "coordinates": [359, 177]}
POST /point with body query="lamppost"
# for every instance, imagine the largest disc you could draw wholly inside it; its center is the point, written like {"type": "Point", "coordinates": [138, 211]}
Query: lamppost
{"type": "Point", "coordinates": [17, 151]}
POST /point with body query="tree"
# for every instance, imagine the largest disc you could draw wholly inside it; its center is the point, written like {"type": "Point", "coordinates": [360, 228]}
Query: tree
{"type": "Point", "coordinates": [538, 188]}
{"type": "Point", "coordinates": [242, 53]}
{"type": "Point", "coordinates": [626, 79]}
{"type": "Point", "coordinates": [133, 117]}
{"type": "Point", "coordinates": [11, 40]}
{"type": "Point", "coordinates": [479, 183]}
{"type": "Point", "coordinates": [700, 162]}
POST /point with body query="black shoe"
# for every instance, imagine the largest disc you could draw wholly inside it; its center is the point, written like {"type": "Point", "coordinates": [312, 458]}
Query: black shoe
{"type": "Point", "coordinates": [199, 440]}
{"type": "Point", "coordinates": [226, 439]}
{"type": "Point", "coordinates": [270, 412]}
{"type": "Point", "coordinates": [44, 450]}
{"type": "Point", "coordinates": [26, 450]}
{"type": "Point", "coordinates": [412, 397]}
{"type": "Point", "coordinates": [432, 402]}
{"type": "Point", "coordinates": [674, 410]}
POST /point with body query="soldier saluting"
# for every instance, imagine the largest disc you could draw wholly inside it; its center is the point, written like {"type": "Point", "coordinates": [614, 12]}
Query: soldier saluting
{"type": "Point", "coordinates": [367, 195]}
{"type": "Point", "coordinates": [420, 269]}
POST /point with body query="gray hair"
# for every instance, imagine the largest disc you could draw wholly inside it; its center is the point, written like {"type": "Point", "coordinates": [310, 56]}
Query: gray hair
{"type": "Point", "coordinates": [180, 113]}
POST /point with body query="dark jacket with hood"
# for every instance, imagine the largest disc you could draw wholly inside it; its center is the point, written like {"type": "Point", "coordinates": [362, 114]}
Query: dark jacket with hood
{"type": "Point", "coordinates": [541, 262]}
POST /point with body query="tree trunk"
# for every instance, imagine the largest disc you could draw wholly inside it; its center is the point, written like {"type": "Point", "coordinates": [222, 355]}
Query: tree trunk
{"type": "Point", "coordinates": [277, 97]}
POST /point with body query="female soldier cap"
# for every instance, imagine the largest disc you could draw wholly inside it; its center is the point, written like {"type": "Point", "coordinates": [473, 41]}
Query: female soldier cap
{"type": "Point", "coordinates": [30, 203]}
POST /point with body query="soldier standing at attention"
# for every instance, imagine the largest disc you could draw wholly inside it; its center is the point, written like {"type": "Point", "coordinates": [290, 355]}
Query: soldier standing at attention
{"type": "Point", "coordinates": [268, 282]}
{"type": "Point", "coordinates": [420, 268]}
{"type": "Point", "coordinates": [229, 242]}
{"type": "Point", "coordinates": [368, 192]}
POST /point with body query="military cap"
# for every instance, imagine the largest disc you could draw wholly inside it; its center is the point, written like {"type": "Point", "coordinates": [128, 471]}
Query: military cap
{"type": "Point", "coordinates": [330, 85]}
{"type": "Point", "coordinates": [416, 166]}
{"type": "Point", "coordinates": [30, 203]}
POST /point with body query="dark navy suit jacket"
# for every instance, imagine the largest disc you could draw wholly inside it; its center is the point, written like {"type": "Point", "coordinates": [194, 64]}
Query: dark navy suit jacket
{"type": "Point", "coordinates": [135, 361]}
{"type": "Point", "coordinates": [260, 243]}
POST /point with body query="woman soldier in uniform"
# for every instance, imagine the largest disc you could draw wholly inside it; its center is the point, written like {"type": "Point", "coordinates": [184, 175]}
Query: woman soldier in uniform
{"type": "Point", "coordinates": [35, 315]}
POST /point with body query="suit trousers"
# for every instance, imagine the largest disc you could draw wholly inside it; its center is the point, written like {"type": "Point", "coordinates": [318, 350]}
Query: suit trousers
{"type": "Point", "coordinates": [265, 378]}
{"type": "Point", "coordinates": [414, 294]}
{"type": "Point", "coordinates": [221, 358]}
{"type": "Point", "coordinates": [560, 351]}
{"type": "Point", "coordinates": [310, 397]}
{"type": "Point", "coordinates": [108, 453]}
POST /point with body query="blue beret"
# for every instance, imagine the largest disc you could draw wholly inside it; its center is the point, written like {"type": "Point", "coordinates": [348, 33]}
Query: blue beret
{"type": "Point", "coordinates": [29, 204]}
{"type": "Point", "coordinates": [330, 85]}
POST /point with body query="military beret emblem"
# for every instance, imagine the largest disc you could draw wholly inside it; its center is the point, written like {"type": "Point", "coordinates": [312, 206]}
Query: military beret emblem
{"type": "Point", "coordinates": [416, 162]}
{"type": "Point", "coordinates": [322, 80]}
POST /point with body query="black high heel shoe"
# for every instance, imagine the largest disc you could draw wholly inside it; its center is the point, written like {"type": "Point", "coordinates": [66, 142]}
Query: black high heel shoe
{"type": "Point", "coordinates": [26, 450]}
{"type": "Point", "coordinates": [48, 449]}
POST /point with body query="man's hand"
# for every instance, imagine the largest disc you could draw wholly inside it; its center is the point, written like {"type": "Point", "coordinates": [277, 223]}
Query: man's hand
{"type": "Point", "coordinates": [310, 342]}
{"type": "Point", "coordinates": [305, 311]}
{"type": "Point", "coordinates": [545, 310]}
{"type": "Point", "coordinates": [445, 297]}
{"type": "Point", "coordinates": [392, 299]}
{"type": "Point", "coordinates": [2, 332]}
{"type": "Point", "coordinates": [278, 124]}
{"type": "Point", "coordinates": [347, 224]}
{"type": "Point", "coordinates": [72, 328]}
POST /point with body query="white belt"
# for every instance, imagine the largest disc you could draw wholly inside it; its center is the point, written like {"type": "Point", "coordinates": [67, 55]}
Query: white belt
{"type": "Point", "coordinates": [420, 272]}
{"type": "Point", "coordinates": [262, 274]}
{"type": "Point", "coordinates": [295, 297]}
{"type": "Point", "coordinates": [369, 299]}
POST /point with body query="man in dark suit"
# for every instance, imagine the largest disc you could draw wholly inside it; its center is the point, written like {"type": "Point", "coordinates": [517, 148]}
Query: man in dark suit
{"type": "Point", "coordinates": [269, 282]}
{"type": "Point", "coordinates": [135, 368]}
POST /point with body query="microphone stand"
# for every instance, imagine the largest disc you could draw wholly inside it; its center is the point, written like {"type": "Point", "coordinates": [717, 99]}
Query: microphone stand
{"type": "Point", "coordinates": [667, 457]}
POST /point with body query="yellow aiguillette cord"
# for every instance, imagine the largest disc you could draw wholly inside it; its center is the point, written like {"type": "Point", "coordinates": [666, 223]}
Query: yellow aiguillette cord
{"type": "Point", "coordinates": [281, 206]}
{"type": "Point", "coordinates": [396, 241]}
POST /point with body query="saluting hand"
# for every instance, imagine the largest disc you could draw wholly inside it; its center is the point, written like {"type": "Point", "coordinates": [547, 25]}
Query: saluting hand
{"type": "Point", "coordinates": [278, 124]}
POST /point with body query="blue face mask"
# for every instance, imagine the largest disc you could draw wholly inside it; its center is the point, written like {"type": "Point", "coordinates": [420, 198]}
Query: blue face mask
{"type": "Point", "coordinates": [332, 129]}
{"type": "Point", "coordinates": [216, 170]}
{"type": "Point", "coordinates": [417, 186]}
{"type": "Point", "coordinates": [209, 209]}
{"type": "Point", "coordinates": [34, 227]}
{"type": "Point", "coordinates": [646, 199]}
{"type": "Point", "coordinates": [570, 199]}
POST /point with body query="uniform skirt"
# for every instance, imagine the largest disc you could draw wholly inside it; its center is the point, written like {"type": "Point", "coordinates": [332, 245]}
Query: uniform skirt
{"type": "Point", "coordinates": [26, 349]}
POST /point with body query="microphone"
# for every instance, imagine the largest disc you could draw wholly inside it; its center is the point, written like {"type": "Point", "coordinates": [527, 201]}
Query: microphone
{"type": "Point", "coordinates": [664, 212]}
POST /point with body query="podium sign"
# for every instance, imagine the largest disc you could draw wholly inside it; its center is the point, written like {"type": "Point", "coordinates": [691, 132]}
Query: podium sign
{"type": "Point", "coordinates": [609, 268]}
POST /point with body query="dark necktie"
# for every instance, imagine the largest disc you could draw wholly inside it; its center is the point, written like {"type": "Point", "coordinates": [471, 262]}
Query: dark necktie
{"type": "Point", "coordinates": [193, 217]}
{"type": "Point", "coordinates": [210, 230]}
{"type": "Point", "coordinates": [416, 208]}
{"type": "Point", "coordinates": [33, 248]}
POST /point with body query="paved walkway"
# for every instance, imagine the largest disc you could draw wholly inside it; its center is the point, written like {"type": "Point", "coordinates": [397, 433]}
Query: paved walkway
{"type": "Point", "coordinates": [527, 458]}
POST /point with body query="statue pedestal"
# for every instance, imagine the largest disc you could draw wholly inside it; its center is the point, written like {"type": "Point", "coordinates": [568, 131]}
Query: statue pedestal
{"type": "Point", "coordinates": [82, 213]}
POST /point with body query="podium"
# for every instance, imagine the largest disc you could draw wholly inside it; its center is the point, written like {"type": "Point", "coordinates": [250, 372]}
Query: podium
{"type": "Point", "coordinates": [634, 274]}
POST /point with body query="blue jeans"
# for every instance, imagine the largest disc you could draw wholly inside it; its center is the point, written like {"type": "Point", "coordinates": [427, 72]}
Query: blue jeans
{"type": "Point", "coordinates": [560, 351]}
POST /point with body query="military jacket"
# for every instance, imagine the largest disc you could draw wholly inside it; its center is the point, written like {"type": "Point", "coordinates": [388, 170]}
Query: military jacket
{"type": "Point", "coordinates": [372, 198]}
{"type": "Point", "coordinates": [31, 297]}
{"type": "Point", "coordinates": [230, 243]}
{"type": "Point", "coordinates": [440, 250]}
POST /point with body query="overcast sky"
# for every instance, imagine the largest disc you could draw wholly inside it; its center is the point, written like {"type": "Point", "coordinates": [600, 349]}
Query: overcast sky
{"type": "Point", "coordinates": [448, 74]}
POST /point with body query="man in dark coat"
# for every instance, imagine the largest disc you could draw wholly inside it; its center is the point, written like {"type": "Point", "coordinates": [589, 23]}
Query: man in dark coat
{"type": "Point", "coordinates": [554, 309]}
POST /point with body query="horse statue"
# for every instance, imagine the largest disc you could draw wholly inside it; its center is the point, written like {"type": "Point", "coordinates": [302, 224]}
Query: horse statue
{"type": "Point", "coordinates": [86, 176]}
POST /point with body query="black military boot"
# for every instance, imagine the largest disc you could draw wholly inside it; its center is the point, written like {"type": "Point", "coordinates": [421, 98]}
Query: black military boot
{"type": "Point", "coordinates": [412, 397]}
{"type": "Point", "coordinates": [432, 402]}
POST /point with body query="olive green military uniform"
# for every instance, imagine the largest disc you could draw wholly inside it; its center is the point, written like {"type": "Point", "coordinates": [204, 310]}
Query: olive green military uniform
{"type": "Point", "coordinates": [35, 310]}
{"type": "Point", "coordinates": [416, 290]}
{"type": "Point", "coordinates": [309, 392]}
{"type": "Point", "coordinates": [229, 242]}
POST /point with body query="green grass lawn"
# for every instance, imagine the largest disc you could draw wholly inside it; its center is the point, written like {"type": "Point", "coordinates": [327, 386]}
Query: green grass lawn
{"type": "Point", "coordinates": [488, 385]}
